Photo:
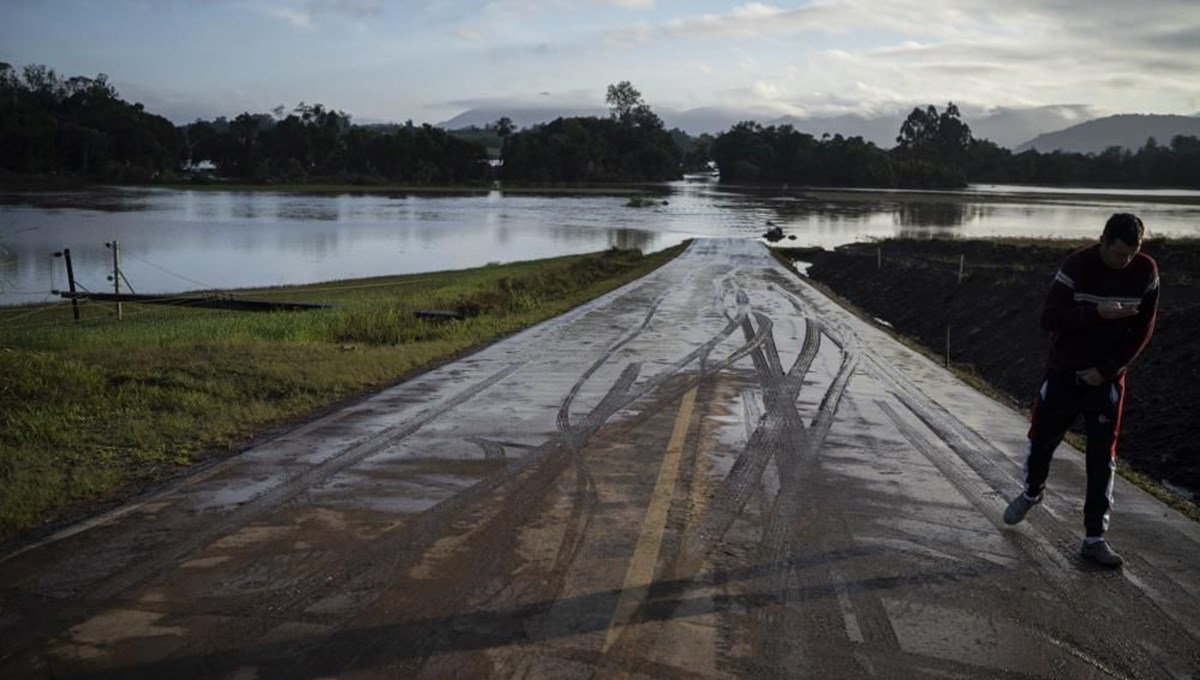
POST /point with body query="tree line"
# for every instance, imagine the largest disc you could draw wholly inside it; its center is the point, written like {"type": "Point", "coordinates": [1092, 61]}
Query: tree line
{"type": "Point", "coordinates": [936, 149]}
{"type": "Point", "coordinates": [315, 144]}
{"type": "Point", "coordinates": [630, 145]}
{"type": "Point", "coordinates": [80, 127]}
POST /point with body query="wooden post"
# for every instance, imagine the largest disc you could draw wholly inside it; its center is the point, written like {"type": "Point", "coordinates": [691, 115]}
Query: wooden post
{"type": "Point", "coordinates": [962, 261]}
{"type": "Point", "coordinates": [947, 345]}
{"type": "Point", "coordinates": [116, 275]}
{"type": "Point", "coordinates": [879, 257]}
{"type": "Point", "coordinates": [66, 256]}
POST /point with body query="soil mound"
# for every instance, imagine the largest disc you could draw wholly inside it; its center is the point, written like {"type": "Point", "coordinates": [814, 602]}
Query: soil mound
{"type": "Point", "coordinates": [992, 314]}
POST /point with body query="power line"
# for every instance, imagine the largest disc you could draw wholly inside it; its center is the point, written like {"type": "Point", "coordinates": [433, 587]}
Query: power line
{"type": "Point", "coordinates": [168, 271]}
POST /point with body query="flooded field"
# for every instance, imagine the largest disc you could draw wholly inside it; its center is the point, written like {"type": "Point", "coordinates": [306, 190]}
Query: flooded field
{"type": "Point", "coordinates": [173, 240]}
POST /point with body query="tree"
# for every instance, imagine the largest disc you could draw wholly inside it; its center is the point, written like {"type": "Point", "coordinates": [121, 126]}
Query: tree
{"type": "Point", "coordinates": [935, 136]}
{"type": "Point", "coordinates": [504, 126]}
{"type": "Point", "coordinates": [622, 99]}
{"type": "Point", "coordinates": [918, 130]}
{"type": "Point", "coordinates": [627, 107]}
{"type": "Point", "coordinates": [933, 147]}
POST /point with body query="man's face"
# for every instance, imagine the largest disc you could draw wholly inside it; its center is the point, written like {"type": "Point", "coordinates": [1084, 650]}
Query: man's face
{"type": "Point", "coordinates": [1116, 253]}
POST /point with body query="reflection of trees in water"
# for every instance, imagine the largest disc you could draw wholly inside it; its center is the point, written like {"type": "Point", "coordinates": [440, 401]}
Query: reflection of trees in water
{"type": "Point", "coordinates": [806, 209]}
{"type": "Point", "coordinates": [8, 267]}
{"type": "Point", "coordinates": [925, 232]}
{"type": "Point", "coordinates": [627, 239]}
{"type": "Point", "coordinates": [939, 214]}
{"type": "Point", "coordinates": [103, 200]}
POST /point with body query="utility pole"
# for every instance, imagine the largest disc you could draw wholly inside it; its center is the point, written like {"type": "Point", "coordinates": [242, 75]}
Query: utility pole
{"type": "Point", "coordinates": [116, 275]}
{"type": "Point", "coordinates": [66, 256]}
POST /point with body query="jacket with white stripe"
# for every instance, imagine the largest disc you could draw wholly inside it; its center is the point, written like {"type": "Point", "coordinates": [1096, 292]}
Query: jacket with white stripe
{"type": "Point", "coordinates": [1080, 338]}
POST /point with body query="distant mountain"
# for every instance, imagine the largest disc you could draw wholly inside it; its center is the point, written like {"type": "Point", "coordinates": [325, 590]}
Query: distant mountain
{"type": "Point", "coordinates": [1006, 127]}
{"type": "Point", "coordinates": [881, 130]}
{"type": "Point", "coordinates": [1009, 127]}
{"type": "Point", "coordinates": [522, 116]}
{"type": "Point", "coordinates": [1125, 130]}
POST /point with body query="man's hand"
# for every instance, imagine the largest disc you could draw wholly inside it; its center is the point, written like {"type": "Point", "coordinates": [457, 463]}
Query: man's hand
{"type": "Point", "coordinates": [1090, 376]}
{"type": "Point", "coordinates": [1111, 309]}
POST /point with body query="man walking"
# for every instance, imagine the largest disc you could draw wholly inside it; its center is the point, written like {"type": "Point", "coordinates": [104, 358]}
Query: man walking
{"type": "Point", "coordinates": [1100, 313]}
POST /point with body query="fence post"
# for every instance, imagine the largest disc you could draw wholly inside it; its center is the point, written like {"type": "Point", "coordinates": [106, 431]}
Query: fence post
{"type": "Point", "coordinates": [116, 275]}
{"type": "Point", "coordinates": [879, 257]}
{"type": "Point", "coordinates": [962, 260]}
{"type": "Point", "coordinates": [947, 345]}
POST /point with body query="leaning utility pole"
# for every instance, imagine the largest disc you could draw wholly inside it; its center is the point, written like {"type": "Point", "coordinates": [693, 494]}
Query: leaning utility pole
{"type": "Point", "coordinates": [66, 256]}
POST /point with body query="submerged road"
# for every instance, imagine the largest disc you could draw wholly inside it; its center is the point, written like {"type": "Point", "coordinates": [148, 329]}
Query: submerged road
{"type": "Point", "coordinates": [712, 472]}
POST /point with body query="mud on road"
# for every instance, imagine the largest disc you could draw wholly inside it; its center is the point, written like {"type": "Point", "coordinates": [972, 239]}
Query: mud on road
{"type": "Point", "coordinates": [712, 472]}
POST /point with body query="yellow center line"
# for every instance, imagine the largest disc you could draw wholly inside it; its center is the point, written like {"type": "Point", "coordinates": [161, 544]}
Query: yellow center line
{"type": "Point", "coordinates": [645, 555]}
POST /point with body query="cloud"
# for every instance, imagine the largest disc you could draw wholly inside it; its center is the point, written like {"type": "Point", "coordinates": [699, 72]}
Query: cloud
{"type": "Point", "coordinates": [296, 17]}
{"type": "Point", "coordinates": [469, 34]}
{"type": "Point", "coordinates": [352, 7]}
{"type": "Point", "coordinates": [630, 36]}
{"type": "Point", "coordinates": [301, 13]}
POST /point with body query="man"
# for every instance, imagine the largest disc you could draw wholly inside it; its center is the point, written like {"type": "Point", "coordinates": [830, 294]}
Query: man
{"type": "Point", "coordinates": [1100, 313]}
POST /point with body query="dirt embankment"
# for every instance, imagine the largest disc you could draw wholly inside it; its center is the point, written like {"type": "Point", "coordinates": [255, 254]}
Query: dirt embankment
{"type": "Point", "coordinates": [993, 320]}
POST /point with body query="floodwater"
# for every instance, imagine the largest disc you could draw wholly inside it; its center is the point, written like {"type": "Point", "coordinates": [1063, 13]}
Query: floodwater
{"type": "Point", "coordinates": [173, 240]}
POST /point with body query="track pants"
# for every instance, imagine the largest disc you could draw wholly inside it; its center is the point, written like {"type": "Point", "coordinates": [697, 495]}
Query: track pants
{"type": "Point", "coordinates": [1061, 399]}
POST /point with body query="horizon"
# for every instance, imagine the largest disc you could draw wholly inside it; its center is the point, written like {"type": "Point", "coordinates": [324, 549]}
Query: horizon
{"type": "Point", "coordinates": [372, 59]}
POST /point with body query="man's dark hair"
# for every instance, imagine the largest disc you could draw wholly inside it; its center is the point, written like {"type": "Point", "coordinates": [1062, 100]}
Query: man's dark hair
{"type": "Point", "coordinates": [1124, 227]}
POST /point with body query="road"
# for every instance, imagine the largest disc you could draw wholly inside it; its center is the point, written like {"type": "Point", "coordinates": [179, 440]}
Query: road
{"type": "Point", "coordinates": [713, 472]}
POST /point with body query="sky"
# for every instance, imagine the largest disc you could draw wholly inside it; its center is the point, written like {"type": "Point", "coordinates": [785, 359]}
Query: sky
{"type": "Point", "coordinates": [429, 60]}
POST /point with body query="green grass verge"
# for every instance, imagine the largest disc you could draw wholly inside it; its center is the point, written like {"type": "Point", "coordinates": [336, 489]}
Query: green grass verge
{"type": "Point", "coordinates": [92, 411]}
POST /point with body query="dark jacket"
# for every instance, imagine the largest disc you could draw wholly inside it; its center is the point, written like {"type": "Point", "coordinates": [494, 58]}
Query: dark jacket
{"type": "Point", "coordinates": [1080, 338]}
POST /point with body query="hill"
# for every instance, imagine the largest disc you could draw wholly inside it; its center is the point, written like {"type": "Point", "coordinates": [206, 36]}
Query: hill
{"type": "Point", "coordinates": [1126, 130]}
{"type": "Point", "coordinates": [1004, 126]}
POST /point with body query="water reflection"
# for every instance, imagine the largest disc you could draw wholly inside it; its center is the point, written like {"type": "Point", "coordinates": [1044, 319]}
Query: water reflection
{"type": "Point", "coordinates": [630, 239]}
{"type": "Point", "coordinates": [177, 240]}
{"type": "Point", "coordinates": [924, 215]}
{"type": "Point", "coordinates": [308, 211]}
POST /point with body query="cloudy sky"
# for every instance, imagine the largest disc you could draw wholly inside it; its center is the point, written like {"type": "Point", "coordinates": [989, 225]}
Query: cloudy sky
{"type": "Point", "coordinates": [428, 60]}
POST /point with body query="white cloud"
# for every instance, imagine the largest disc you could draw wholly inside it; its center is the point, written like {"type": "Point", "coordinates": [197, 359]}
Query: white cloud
{"type": "Point", "coordinates": [469, 34]}
{"type": "Point", "coordinates": [629, 36]}
{"type": "Point", "coordinates": [294, 16]}
{"type": "Point", "coordinates": [632, 4]}
{"type": "Point", "coordinates": [355, 7]}
{"type": "Point", "coordinates": [757, 10]}
{"type": "Point", "coordinates": [302, 13]}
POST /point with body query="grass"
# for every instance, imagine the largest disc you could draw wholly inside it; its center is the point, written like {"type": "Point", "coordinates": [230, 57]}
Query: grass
{"type": "Point", "coordinates": [92, 411]}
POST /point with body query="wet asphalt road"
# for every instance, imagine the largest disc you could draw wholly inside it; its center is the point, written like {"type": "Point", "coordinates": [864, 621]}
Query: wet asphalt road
{"type": "Point", "coordinates": [712, 472]}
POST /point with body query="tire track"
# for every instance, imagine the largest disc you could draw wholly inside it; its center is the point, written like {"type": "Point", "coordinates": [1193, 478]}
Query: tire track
{"type": "Point", "coordinates": [986, 477]}
{"type": "Point", "coordinates": [517, 488]}
{"type": "Point", "coordinates": [201, 536]}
